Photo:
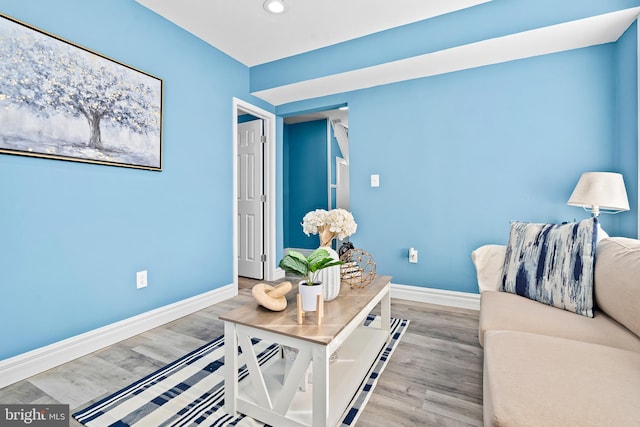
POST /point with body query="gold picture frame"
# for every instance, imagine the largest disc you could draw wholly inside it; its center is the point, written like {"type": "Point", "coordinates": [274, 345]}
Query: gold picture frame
{"type": "Point", "coordinates": [59, 100]}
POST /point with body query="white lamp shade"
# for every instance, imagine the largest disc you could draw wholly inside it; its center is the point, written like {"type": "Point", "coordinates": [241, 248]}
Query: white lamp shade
{"type": "Point", "coordinates": [600, 191]}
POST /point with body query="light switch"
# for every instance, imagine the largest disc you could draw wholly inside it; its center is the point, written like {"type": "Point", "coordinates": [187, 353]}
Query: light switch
{"type": "Point", "coordinates": [375, 180]}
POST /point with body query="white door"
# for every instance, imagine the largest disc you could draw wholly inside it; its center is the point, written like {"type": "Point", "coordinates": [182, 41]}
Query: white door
{"type": "Point", "coordinates": [342, 183]}
{"type": "Point", "coordinates": [250, 199]}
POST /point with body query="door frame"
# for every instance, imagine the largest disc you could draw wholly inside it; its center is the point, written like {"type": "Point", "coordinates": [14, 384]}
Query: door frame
{"type": "Point", "coordinates": [340, 179]}
{"type": "Point", "coordinates": [269, 177]}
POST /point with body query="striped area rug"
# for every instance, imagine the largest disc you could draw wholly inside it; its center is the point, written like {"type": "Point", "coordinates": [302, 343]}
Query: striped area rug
{"type": "Point", "coordinates": [190, 391]}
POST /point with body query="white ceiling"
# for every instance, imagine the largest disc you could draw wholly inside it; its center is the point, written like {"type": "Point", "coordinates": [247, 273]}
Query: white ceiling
{"type": "Point", "coordinates": [243, 30]}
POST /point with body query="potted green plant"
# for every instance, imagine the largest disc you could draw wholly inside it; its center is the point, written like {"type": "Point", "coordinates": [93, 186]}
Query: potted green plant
{"type": "Point", "coordinates": [308, 267]}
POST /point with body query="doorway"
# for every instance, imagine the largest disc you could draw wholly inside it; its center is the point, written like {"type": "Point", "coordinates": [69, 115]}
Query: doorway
{"type": "Point", "coordinates": [263, 170]}
{"type": "Point", "coordinates": [251, 199]}
{"type": "Point", "coordinates": [309, 182]}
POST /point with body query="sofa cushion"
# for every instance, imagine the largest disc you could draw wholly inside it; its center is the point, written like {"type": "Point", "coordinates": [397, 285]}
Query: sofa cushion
{"type": "Point", "coordinates": [617, 278]}
{"type": "Point", "coordinates": [552, 264]}
{"type": "Point", "coordinates": [535, 380]}
{"type": "Point", "coordinates": [501, 310]}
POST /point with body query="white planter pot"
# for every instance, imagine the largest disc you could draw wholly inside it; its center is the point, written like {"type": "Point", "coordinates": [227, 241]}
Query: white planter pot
{"type": "Point", "coordinates": [309, 295]}
{"type": "Point", "coordinates": [330, 277]}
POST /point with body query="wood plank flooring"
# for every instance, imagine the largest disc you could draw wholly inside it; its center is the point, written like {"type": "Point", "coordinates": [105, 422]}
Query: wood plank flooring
{"type": "Point", "coordinates": [434, 378]}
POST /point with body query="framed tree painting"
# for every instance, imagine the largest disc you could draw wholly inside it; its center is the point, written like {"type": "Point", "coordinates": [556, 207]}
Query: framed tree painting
{"type": "Point", "coordinates": [62, 101]}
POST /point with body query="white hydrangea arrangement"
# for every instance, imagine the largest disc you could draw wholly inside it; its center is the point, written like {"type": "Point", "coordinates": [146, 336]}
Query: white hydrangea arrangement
{"type": "Point", "coordinates": [329, 224]}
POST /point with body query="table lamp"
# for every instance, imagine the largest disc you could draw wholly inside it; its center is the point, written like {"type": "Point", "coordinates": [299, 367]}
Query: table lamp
{"type": "Point", "coordinates": [600, 192]}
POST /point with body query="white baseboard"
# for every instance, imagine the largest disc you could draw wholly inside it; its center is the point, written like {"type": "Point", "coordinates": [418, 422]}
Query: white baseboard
{"type": "Point", "coordinates": [436, 296]}
{"type": "Point", "coordinates": [305, 252]}
{"type": "Point", "coordinates": [39, 360]}
{"type": "Point", "coordinates": [279, 274]}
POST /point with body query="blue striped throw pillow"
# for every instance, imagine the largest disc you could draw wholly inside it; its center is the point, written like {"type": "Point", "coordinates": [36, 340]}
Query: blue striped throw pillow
{"type": "Point", "coordinates": [552, 264]}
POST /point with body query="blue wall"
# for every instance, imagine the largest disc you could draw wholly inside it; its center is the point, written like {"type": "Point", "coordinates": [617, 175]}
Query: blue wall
{"type": "Point", "coordinates": [626, 141]}
{"type": "Point", "coordinates": [74, 235]}
{"type": "Point", "coordinates": [462, 154]}
{"type": "Point", "coordinates": [305, 188]}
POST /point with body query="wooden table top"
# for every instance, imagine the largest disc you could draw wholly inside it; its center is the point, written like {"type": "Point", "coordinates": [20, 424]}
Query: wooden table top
{"type": "Point", "coordinates": [337, 313]}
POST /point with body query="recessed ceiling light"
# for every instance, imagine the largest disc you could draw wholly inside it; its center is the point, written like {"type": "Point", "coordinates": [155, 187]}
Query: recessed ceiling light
{"type": "Point", "coordinates": [275, 6]}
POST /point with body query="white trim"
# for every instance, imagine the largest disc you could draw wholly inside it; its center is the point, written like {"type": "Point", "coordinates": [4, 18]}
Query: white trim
{"type": "Point", "coordinates": [278, 274]}
{"type": "Point", "coordinates": [41, 359]}
{"type": "Point", "coordinates": [340, 185]}
{"type": "Point", "coordinates": [305, 252]}
{"type": "Point", "coordinates": [329, 165]}
{"type": "Point", "coordinates": [270, 269]}
{"type": "Point", "coordinates": [436, 296]}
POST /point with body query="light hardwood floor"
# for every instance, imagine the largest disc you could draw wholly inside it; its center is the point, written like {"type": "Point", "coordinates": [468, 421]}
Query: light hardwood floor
{"type": "Point", "coordinates": [434, 377]}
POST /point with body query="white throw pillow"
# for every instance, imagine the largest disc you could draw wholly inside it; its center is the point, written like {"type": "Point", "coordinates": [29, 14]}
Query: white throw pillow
{"type": "Point", "coordinates": [601, 233]}
{"type": "Point", "coordinates": [489, 261]}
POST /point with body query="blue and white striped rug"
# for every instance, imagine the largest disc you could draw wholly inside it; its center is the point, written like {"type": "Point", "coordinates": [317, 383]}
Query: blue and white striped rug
{"type": "Point", "coordinates": [190, 391]}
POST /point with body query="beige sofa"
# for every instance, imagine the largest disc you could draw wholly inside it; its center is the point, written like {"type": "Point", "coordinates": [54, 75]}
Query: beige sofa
{"type": "Point", "coordinates": [544, 366]}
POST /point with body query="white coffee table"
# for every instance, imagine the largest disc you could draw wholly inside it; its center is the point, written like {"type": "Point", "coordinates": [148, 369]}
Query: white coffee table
{"type": "Point", "coordinates": [266, 396]}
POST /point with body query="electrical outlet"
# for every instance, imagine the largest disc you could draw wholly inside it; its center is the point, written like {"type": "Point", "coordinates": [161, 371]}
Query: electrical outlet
{"type": "Point", "coordinates": [413, 255]}
{"type": "Point", "coordinates": [141, 279]}
{"type": "Point", "coordinates": [375, 180]}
